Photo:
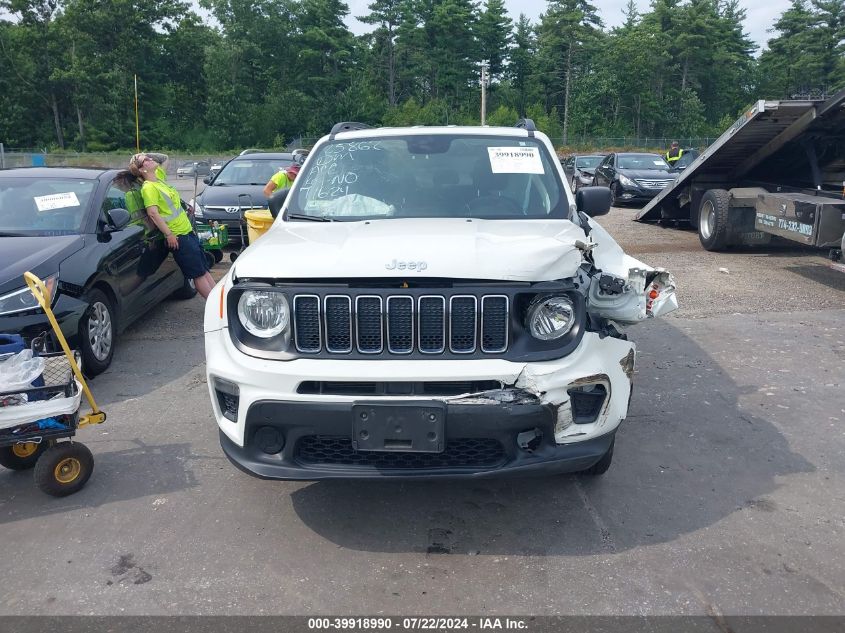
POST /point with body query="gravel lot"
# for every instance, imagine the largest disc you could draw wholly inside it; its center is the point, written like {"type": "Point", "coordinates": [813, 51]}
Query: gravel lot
{"type": "Point", "coordinates": [725, 497]}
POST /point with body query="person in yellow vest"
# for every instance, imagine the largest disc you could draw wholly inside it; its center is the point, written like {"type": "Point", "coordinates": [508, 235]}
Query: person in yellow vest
{"type": "Point", "coordinates": [674, 154]}
{"type": "Point", "coordinates": [164, 210]}
{"type": "Point", "coordinates": [281, 180]}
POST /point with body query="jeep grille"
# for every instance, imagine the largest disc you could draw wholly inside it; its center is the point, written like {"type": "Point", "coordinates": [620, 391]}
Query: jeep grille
{"type": "Point", "coordinates": [401, 324]}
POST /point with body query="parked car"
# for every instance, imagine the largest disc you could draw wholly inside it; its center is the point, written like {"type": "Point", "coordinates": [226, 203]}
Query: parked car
{"type": "Point", "coordinates": [239, 187]}
{"type": "Point", "coordinates": [71, 228]}
{"type": "Point", "coordinates": [633, 177]}
{"type": "Point", "coordinates": [579, 169]}
{"type": "Point", "coordinates": [215, 168]}
{"type": "Point", "coordinates": [428, 304]}
{"type": "Point", "coordinates": [198, 167]}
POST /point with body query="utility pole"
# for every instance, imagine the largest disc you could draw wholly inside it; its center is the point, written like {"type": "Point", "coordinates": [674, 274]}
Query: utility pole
{"type": "Point", "coordinates": [484, 67]}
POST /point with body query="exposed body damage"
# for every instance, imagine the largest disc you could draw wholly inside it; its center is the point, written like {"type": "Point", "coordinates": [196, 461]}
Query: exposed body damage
{"type": "Point", "coordinates": [460, 383]}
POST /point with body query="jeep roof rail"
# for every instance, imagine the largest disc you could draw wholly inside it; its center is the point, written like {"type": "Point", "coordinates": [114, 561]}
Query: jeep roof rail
{"type": "Point", "coordinates": [528, 125]}
{"type": "Point", "coordinates": [347, 126]}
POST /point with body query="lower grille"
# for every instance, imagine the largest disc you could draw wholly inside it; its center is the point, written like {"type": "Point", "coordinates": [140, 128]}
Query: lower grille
{"type": "Point", "coordinates": [399, 388]}
{"type": "Point", "coordinates": [316, 450]}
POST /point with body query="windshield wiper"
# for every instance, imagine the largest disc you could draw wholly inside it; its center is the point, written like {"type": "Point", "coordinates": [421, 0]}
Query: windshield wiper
{"type": "Point", "coordinates": [311, 218]}
{"type": "Point", "coordinates": [13, 234]}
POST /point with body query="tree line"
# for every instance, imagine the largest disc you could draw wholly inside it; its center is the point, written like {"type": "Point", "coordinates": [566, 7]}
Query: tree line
{"type": "Point", "coordinates": [264, 72]}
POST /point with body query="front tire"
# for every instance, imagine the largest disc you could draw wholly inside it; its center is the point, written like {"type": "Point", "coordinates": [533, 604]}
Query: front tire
{"type": "Point", "coordinates": [614, 194]}
{"type": "Point", "coordinates": [97, 333]}
{"type": "Point", "coordinates": [21, 456]}
{"type": "Point", "coordinates": [713, 230]}
{"type": "Point", "coordinates": [187, 291]}
{"type": "Point", "coordinates": [601, 466]}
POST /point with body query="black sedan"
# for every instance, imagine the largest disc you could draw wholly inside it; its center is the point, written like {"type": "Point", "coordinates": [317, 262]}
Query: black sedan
{"type": "Point", "coordinates": [239, 187]}
{"type": "Point", "coordinates": [579, 170]}
{"type": "Point", "coordinates": [71, 228]}
{"type": "Point", "coordinates": [633, 177]}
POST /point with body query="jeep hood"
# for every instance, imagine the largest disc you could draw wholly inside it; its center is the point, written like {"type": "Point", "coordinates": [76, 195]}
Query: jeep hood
{"type": "Point", "coordinates": [507, 250]}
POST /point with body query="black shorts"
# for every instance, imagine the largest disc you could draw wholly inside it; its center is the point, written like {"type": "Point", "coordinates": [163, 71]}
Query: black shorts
{"type": "Point", "coordinates": [189, 256]}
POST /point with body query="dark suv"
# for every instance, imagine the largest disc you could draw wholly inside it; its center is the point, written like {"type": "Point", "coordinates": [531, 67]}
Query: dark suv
{"type": "Point", "coordinates": [239, 187]}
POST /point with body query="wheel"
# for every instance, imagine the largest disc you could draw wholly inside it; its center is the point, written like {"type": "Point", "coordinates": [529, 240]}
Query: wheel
{"type": "Point", "coordinates": [601, 466]}
{"type": "Point", "coordinates": [97, 333]}
{"type": "Point", "coordinates": [713, 212]}
{"type": "Point", "coordinates": [21, 456]}
{"type": "Point", "coordinates": [187, 291]}
{"type": "Point", "coordinates": [233, 256]}
{"type": "Point", "coordinates": [218, 256]}
{"type": "Point", "coordinates": [614, 194]}
{"type": "Point", "coordinates": [64, 468]}
{"type": "Point", "coordinates": [209, 259]}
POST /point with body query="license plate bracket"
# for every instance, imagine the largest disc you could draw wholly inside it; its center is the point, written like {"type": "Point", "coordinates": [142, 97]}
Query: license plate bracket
{"type": "Point", "coordinates": [412, 427]}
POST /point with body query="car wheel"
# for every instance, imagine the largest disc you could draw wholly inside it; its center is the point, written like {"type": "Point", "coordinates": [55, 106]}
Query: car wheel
{"type": "Point", "coordinates": [614, 194]}
{"type": "Point", "coordinates": [601, 466]}
{"type": "Point", "coordinates": [187, 291]}
{"type": "Point", "coordinates": [97, 333]}
{"type": "Point", "coordinates": [713, 219]}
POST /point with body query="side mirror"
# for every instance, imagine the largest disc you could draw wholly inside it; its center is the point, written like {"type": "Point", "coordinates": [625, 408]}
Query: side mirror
{"type": "Point", "coordinates": [117, 219]}
{"type": "Point", "coordinates": [207, 180]}
{"type": "Point", "coordinates": [593, 200]}
{"type": "Point", "coordinates": [276, 201]}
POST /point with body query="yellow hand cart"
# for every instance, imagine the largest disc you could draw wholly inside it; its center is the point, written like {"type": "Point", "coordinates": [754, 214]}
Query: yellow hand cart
{"type": "Point", "coordinates": [35, 419]}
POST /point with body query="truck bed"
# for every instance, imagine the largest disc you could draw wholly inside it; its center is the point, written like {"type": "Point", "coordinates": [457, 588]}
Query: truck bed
{"type": "Point", "coordinates": [797, 145]}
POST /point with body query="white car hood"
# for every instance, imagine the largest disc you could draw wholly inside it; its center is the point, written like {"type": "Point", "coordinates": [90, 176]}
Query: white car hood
{"type": "Point", "coordinates": [508, 250]}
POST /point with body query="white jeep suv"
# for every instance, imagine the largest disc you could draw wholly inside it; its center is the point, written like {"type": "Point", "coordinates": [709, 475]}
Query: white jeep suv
{"type": "Point", "coordinates": [431, 302]}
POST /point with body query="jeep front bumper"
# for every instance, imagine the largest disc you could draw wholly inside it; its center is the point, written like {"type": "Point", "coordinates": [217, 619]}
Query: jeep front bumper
{"type": "Point", "coordinates": [541, 418]}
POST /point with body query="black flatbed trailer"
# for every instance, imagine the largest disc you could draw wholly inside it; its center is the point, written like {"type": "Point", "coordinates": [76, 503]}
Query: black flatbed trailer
{"type": "Point", "coordinates": [778, 171]}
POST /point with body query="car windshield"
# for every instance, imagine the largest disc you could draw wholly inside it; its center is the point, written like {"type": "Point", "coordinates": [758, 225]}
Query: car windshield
{"type": "Point", "coordinates": [642, 161]}
{"type": "Point", "coordinates": [253, 171]}
{"type": "Point", "coordinates": [43, 206]}
{"type": "Point", "coordinates": [588, 162]}
{"type": "Point", "coordinates": [430, 175]}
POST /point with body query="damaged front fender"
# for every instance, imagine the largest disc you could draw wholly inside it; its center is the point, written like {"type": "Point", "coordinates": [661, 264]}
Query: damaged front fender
{"type": "Point", "coordinates": [645, 293]}
{"type": "Point", "coordinates": [624, 289]}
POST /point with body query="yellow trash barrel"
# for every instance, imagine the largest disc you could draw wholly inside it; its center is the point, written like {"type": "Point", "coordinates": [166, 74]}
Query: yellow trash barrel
{"type": "Point", "coordinates": [257, 223]}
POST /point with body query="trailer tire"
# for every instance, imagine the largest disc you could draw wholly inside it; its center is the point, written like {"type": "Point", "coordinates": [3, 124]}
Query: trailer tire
{"type": "Point", "coordinates": [713, 230]}
{"type": "Point", "coordinates": [63, 469]}
{"type": "Point", "coordinates": [22, 456]}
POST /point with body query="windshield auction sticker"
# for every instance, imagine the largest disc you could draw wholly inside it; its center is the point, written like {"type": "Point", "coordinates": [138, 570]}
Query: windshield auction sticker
{"type": "Point", "coordinates": [56, 201]}
{"type": "Point", "coordinates": [515, 160]}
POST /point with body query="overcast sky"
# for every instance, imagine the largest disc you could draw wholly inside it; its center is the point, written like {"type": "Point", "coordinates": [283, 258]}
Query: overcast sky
{"type": "Point", "coordinates": [761, 14]}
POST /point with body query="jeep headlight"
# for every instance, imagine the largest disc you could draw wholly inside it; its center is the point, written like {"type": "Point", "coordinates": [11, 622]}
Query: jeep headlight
{"type": "Point", "coordinates": [551, 317]}
{"type": "Point", "coordinates": [263, 314]}
{"type": "Point", "coordinates": [627, 181]}
{"type": "Point", "coordinates": [23, 299]}
{"type": "Point", "coordinates": [198, 210]}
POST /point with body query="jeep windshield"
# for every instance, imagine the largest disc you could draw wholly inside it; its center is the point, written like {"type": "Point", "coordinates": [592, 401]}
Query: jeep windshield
{"type": "Point", "coordinates": [430, 175]}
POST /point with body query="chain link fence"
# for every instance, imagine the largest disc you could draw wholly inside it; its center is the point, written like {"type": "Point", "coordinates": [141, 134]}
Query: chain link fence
{"type": "Point", "coordinates": [29, 157]}
{"type": "Point", "coordinates": [35, 157]}
{"type": "Point", "coordinates": [619, 143]}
